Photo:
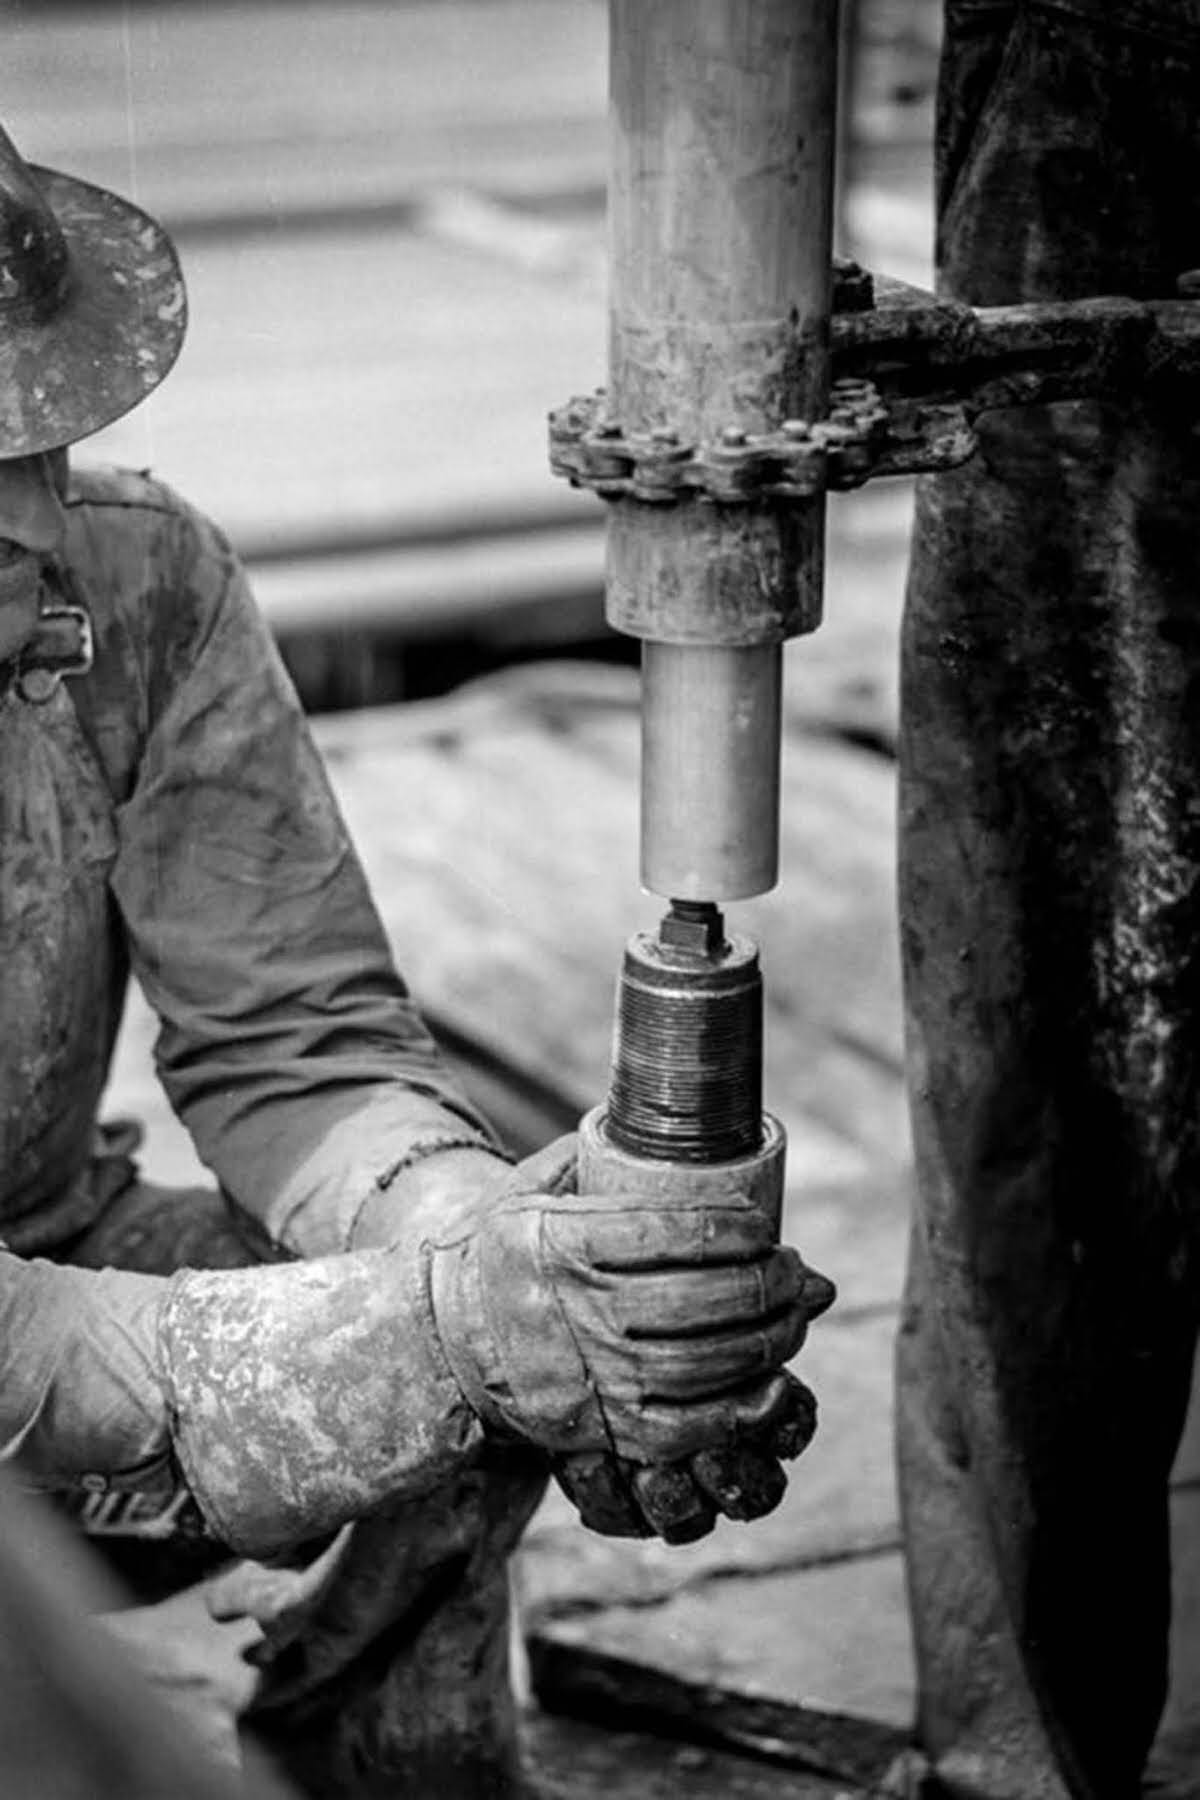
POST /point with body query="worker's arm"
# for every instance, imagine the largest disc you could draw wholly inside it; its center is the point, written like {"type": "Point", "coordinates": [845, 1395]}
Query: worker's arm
{"type": "Point", "coordinates": [289, 1045]}
{"type": "Point", "coordinates": [294, 1398]}
{"type": "Point", "coordinates": [81, 1393]}
{"type": "Point", "coordinates": [291, 1050]}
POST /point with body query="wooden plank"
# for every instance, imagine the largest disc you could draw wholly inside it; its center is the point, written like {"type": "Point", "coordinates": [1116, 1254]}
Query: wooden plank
{"type": "Point", "coordinates": [833, 1639]}
{"type": "Point", "coordinates": [586, 1683]}
{"type": "Point", "coordinates": [567, 1759]}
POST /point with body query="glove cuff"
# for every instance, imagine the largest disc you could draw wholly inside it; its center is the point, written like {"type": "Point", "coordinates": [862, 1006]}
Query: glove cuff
{"type": "Point", "coordinates": [461, 1323]}
{"type": "Point", "coordinates": [308, 1394]}
{"type": "Point", "coordinates": [504, 1335]}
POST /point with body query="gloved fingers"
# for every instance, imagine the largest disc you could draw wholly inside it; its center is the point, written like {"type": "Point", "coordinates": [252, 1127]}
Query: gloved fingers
{"type": "Point", "coordinates": [819, 1292]}
{"type": "Point", "coordinates": [687, 1302]}
{"type": "Point", "coordinates": [719, 1362]}
{"type": "Point", "coordinates": [550, 1170]}
{"type": "Point", "coordinates": [656, 1431]}
{"type": "Point", "coordinates": [617, 1233]}
{"type": "Point", "coordinates": [619, 1498]}
{"type": "Point", "coordinates": [675, 1506]}
{"type": "Point", "coordinates": [743, 1481]}
{"type": "Point", "coordinates": [281, 1601]}
{"type": "Point", "coordinates": [792, 1428]}
{"type": "Point", "coordinates": [598, 1485]}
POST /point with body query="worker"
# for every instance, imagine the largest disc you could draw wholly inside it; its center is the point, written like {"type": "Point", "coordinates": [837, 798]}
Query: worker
{"type": "Point", "coordinates": [359, 1351]}
{"type": "Point", "coordinates": [1050, 843]}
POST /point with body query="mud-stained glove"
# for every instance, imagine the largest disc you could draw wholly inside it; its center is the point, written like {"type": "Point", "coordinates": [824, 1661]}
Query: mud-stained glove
{"type": "Point", "coordinates": [305, 1395]}
{"type": "Point", "coordinates": [601, 1323]}
{"type": "Point", "coordinates": [742, 1479]}
{"type": "Point", "coordinates": [643, 1344]}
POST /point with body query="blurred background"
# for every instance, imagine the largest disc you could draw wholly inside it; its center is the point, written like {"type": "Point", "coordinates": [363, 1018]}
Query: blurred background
{"type": "Point", "coordinates": [391, 217]}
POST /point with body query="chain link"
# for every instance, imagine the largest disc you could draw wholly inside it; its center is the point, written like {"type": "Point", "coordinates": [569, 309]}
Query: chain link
{"type": "Point", "coordinates": [803, 458]}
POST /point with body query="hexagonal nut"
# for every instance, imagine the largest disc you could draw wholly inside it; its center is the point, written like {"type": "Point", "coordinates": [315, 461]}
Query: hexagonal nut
{"type": "Point", "coordinates": [703, 936]}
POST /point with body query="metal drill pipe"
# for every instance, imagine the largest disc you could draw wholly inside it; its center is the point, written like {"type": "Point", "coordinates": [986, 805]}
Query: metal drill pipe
{"type": "Point", "coordinates": [720, 221]}
{"type": "Point", "coordinates": [757, 1180]}
{"type": "Point", "coordinates": [720, 204]}
{"type": "Point", "coordinates": [711, 732]}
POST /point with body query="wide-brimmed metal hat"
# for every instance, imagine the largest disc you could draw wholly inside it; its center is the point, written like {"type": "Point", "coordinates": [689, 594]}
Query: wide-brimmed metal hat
{"type": "Point", "coordinates": [92, 306]}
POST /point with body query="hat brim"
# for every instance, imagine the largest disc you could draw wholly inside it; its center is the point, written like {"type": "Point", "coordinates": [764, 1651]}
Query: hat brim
{"type": "Point", "coordinates": [113, 334]}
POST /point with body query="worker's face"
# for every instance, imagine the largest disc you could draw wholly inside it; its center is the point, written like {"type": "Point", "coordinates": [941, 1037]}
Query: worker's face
{"type": "Point", "coordinates": [32, 521]}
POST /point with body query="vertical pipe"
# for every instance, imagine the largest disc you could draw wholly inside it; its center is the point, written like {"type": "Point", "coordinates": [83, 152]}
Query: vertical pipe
{"type": "Point", "coordinates": [723, 122]}
{"type": "Point", "coordinates": [710, 790]}
{"type": "Point", "coordinates": [722, 144]}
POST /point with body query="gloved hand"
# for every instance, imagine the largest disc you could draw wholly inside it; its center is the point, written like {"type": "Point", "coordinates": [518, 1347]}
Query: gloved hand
{"type": "Point", "coordinates": [679, 1502]}
{"type": "Point", "coordinates": [641, 1343]}
{"type": "Point", "coordinates": [305, 1395]}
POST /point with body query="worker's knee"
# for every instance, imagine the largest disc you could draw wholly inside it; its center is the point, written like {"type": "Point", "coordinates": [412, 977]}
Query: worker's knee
{"type": "Point", "coordinates": [398, 1664]}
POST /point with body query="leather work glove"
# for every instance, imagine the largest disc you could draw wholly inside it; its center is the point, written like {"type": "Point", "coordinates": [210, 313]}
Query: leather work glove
{"type": "Point", "coordinates": [642, 1344]}
{"type": "Point", "coordinates": [307, 1394]}
{"type": "Point", "coordinates": [679, 1502]}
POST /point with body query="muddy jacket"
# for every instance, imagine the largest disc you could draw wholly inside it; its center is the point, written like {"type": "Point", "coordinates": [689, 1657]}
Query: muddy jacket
{"type": "Point", "coordinates": [168, 813]}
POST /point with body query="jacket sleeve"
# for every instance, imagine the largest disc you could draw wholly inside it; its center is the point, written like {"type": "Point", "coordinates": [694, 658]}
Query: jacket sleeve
{"type": "Point", "coordinates": [80, 1386]}
{"type": "Point", "coordinates": [289, 1045]}
{"type": "Point", "coordinates": [285, 1401]}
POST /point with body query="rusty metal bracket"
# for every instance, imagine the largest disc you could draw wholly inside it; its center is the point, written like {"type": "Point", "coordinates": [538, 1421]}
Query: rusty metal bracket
{"type": "Point", "coordinates": [912, 374]}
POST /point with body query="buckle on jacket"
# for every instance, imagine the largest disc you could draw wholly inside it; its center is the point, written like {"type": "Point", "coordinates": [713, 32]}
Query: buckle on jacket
{"type": "Point", "coordinates": [149, 1518]}
{"type": "Point", "coordinates": [62, 644]}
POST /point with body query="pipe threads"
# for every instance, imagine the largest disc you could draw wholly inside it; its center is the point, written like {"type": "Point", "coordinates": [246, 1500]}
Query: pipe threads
{"type": "Point", "coordinates": [687, 1064]}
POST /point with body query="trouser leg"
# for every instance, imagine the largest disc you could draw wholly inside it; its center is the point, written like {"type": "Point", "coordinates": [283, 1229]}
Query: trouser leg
{"type": "Point", "coordinates": [978, 1719]}
{"type": "Point", "coordinates": [394, 1677]}
{"type": "Point", "coordinates": [1050, 946]}
{"type": "Point", "coordinates": [401, 1683]}
{"type": "Point", "coordinates": [1049, 880]}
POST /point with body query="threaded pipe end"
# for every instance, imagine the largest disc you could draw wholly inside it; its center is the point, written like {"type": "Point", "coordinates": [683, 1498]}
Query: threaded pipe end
{"type": "Point", "coordinates": [687, 1061]}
